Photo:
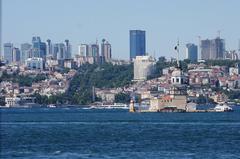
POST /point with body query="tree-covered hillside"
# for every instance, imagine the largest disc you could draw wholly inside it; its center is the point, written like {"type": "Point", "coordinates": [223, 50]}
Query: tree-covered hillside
{"type": "Point", "coordinates": [99, 76]}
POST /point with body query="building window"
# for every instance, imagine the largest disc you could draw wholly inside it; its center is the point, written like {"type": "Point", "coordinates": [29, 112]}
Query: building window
{"type": "Point", "coordinates": [177, 80]}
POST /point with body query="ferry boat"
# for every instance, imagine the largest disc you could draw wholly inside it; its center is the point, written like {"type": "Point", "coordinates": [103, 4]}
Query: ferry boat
{"type": "Point", "coordinates": [110, 106]}
{"type": "Point", "coordinates": [51, 106]}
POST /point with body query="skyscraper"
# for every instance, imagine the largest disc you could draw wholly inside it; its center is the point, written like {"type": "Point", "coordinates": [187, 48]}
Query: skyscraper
{"type": "Point", "coordinates": [39, 48]}
{"type": "Point", "coordinates": [59, 51]}
{"type": "Point", "coordinates": [106, 50]}
{"type": "Point", "coordinates": [16, 55]}
{"type": "Point", "coordinates": [93, 51]}
{"type": "Point", "coordinates": [213, 49]}
{"type": "Point", "coordinates": [67, 50]}
{"type": "Point", "coordinates": [49, 47]}
{"type": "Point", "coordinates": [83, 50]}
{"type": "Point", "coordinates": [205, 49]}
{"type": "Point", "coordinates": [25, 52]}
{"type": "Point", "coordinates": [137, 43]}
{"type": "Point", "coordinates": [8, 52]}
{"type": "Point", "coordinates": [192, 52]}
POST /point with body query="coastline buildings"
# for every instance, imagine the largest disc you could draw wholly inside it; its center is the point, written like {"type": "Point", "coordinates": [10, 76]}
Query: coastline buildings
{"type": "Point", "coordinates": [176, 98]}
{"type": "Point", "coordinates": [137, 43]}
{"type": "Point", "coordinates": [212, 49]}
{"type": "Point", "coordinates": [143, 67]}
{"type": "Point", "coordinates": [192, 52]}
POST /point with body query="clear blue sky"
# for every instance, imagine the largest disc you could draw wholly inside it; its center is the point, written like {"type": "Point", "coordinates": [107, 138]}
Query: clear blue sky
{"type": "Point", "coordinates": [82, 21]}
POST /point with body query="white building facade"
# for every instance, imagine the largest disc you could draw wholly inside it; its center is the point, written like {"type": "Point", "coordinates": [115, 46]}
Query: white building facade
{"type": "Point", "coordinates": [143, 67]}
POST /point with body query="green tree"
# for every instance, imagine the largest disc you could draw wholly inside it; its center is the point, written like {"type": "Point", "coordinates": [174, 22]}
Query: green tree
{"type": "Point", "coordinates": [122, 98]}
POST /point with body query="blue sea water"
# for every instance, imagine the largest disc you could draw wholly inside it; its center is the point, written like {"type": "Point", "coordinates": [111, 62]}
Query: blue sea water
{"type": "Point", "coordinates": [77, 133]}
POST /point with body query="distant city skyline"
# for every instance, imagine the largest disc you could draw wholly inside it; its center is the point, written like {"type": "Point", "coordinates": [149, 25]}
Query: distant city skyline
{"type": "Point", "coordinates": [163, 21]}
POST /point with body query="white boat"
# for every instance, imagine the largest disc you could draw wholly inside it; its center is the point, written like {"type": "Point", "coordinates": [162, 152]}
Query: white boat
{"type": "Point", "coordinates": [51, 106]}
{"type": "Point", "coordinates": [223, 107]}
{"type": "Point", "coordinates": [110, 106]}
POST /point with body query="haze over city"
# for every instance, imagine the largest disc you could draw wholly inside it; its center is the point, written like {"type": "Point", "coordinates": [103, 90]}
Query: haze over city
{"type": "Point", "coordinates": [85, 21]}
{"type": "Point", "coordinates": [119, 79]}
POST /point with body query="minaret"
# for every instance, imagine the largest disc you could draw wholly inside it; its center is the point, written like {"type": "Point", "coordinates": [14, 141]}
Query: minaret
{"type": "Point", "coordinates": [177, 49]}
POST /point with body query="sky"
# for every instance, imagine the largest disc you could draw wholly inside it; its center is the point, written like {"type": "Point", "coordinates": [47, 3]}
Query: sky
{"type": "Point", "coordinates": [85, 21]}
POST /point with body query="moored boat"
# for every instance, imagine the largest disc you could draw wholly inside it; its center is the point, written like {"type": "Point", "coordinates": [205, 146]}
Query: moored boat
{"type": "Point", "coordinates": [223, 107]}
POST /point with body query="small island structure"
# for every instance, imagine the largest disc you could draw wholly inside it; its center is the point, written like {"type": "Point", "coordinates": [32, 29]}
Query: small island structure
{"type": "Point", "coordinates": [176, 99]}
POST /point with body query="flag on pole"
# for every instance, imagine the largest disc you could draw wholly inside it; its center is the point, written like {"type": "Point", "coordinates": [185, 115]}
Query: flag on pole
{"type": "Point", "coordinates": [175, 47]}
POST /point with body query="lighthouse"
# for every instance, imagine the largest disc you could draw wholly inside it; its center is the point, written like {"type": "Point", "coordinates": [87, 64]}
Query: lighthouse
{"type": "Point", "coordinates": [131, 106]}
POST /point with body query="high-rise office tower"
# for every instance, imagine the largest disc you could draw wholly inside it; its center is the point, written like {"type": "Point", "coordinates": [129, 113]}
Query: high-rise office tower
{"type": "Point", "coordinates": [106, 50]}
{"type": "Point", "coordinates": [55, 51]}
{"type": "Point", "coordinates": [59, 51]}
{"type": "Point", "coordinates": [192, 52]}
{"type": "Point", "coordinates": [137, 43]}
{"type": "Point", "coordinates": [39, 48]}
{"type": "Point", "coordinates": [212, 49]}
{"type": "Point", "coordinates": [16, 55]}
{"type": "Point", "coordinates": [49, 47]}
{"type": "Point", "coordinates": [67, 50]}
{"type": "Point", "coordinates": [93, 51]}
{"type": "Point", "coordinates": [8, 52]}
{"type": "Point", "coordinates": [25, 52]}
{"type": "Point", "coordinates": [83, 50]}
{"type": "Point", "coordinates": [205, 49]}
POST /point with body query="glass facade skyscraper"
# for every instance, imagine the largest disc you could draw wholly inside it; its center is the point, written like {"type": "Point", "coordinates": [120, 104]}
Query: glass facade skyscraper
{"type": "Point", "coordinates": [192, 52]}
{"type": "Point", "coordinates": [8, 52]}
{"type": "Point", "coordinates": [137, 43]}
{"type": "Point", "coordinates": [16, 55]}
{"type": "Point", "coordinates": [39, 48]}
{"type": "Point", "coordinates": [25, 52]}
{"type": "Point", "coordinates": [67, 50]}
